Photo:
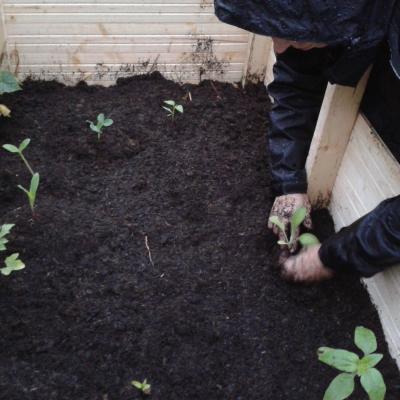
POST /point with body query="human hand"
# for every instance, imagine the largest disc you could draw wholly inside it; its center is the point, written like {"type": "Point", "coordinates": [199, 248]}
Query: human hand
{"type": "Point", "coordinates": [306, 267]}
{"type": "Point", "coordinates": [283, 208]}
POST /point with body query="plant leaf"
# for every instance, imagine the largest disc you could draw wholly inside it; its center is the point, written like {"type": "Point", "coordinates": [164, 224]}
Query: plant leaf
{"type": "Point", "coordinates": [365, 340]}
{"type": "Point", "coordinates": [6, 229]}
{"type": "Point", "coordinates": [13, 263]}
{"type": "Point", "coordinates": [373, 383]}
{"type": "Point", "coordinates": [24, 144]}
{"type": "Point", "coordinates": [368, 362]}
{"type": "Point", "coordinates": [100, 118]}
{"type": "Point", "coordinates": [168, 109]}
{"type": "Point", "coordinates": [108, 122]}
{"type": "Point", "coordinates": [137, 384]}
{"type": "Point", "coordinates": [342, 360]}
{"type": "Point", "coordinates": [296, 220]}
{"type": "Point", "coordinates": [340, 388]}
{"type": "Point", "coordinates": [34, 183]}
{"type": "Point", "coordinates": [94, 128]}
{"type": "Point", "coordinates": [11, 148]}
{"type": "Point", "coordinates": [23, 189]}
{"type": "Point", "coordinates": [170, 102]}
{"type": "Point", "coordinates": [3, 243]}
{"type": "Point", "coordinates": [8, 82]}
{"type": "Point", "coordinates": [308, 239]}
{"type": "Point", "coordinates": [276, 221]}
{"type": "Point", "coordinates": [179, 108]}
{"type": "Point", "coordinates": [282, 243]}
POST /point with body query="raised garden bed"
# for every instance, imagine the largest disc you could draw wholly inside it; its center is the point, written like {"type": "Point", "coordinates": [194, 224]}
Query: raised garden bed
{"type": "Point", "coordinates": [207, 316]}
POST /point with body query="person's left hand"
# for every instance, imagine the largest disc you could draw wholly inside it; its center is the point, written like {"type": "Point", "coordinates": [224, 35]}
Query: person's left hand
{"type": "Point", "coordinates": [306, 267]}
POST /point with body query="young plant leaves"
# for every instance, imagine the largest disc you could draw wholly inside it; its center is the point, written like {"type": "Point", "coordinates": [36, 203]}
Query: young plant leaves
{"type": "Point", "coordinates": [365, 340]}
{"type": "Point", "coordinates": [308, 239]}
{"type": "Point", "coordinates": [340, 388]}
{"type": "Point", "coordinates": [296, 220]}
{"type": "Point", "coordinates": [276, 221]}
{"type": "Point", "coordinates": [368, 362]}
{"type": "Point", "coordinates": [169, 102]}
{"type": "Point", "coordinates": [342, 360]}
{"type": "Point", "coordinates": [13, 263]}
{"type": "Point", "coordinates": [108, 122]}
{"type": "Point", "coordinates": [373, 384]}
{"type": "Point", "coordinates": [179, 108]}
{"type": "Point", "coordinates": [11, 148]}
{"type": "Point", "coordinates": [4, 231]}
{"type": "Point", "coordinates": [24, 144]}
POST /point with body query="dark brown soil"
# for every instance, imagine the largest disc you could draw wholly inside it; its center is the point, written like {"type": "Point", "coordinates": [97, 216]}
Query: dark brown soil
{"type": "Point", "coordinates": [210, 317]}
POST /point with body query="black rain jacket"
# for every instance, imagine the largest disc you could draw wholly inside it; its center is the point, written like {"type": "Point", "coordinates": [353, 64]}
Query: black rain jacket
{"type": "Point", "coordinates": [354, 30]}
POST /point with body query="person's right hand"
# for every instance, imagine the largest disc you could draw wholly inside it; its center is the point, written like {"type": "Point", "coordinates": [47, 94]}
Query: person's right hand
{"type": "Point", "coordinates": [284, 207]}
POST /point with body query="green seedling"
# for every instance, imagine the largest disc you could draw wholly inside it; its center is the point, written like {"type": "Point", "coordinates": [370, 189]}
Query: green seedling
{"type": "Point", "coordinates": [12, 262]}
{"type": "Point", "coordinates": [172, 108]}
{"type": "Point", "coordinates": [144, 387]}
{"type": "Point", "coordinates": [31, 193]}
{"type": "Point", "coordinates": [102, 122]}
{"type": "Point", "coordinates": [8, 84]}
{"type": "Point", "coordinates": [19, 150]}
{"type": "Point", "coordinates": [305, 239]}
{"type": "Point", "coordinates": [352, 365]}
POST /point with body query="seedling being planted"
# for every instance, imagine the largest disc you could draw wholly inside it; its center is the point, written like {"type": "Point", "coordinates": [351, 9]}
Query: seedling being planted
{"type": "Point", "coordinates": [352, 365]}
{"type": "Point", "coordinates": [102, 122]}
{"type": "Point", "coordinates": [31, 193]}
{"type": "Point", "coordinates": [144, 387]}
{"type": "Point", "coordinates": [172, 108]}
{"type": "Point", "coordinates": [305, 239]}
{"type": "Point", "coordinates": [12, 262]}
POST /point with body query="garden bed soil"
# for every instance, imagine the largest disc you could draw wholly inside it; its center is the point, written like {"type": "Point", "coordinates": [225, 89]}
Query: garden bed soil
{"type": "Point", "coordinates": [207, 316]}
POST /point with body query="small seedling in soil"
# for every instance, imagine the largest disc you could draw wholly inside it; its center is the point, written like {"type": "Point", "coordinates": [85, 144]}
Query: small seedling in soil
{"type": "Point", "coordinates": [34, 185]}
{"type": "Point", "coordinates": [172, 108]}
{"type": "Point", "coordinates": [144, 387]}
{"type": "Point", "coordinates": [12, 262]}
{"type": "Point", "coordinates": [31, 193]}
{"type": "Point", "coordinates": [19, 150]}
{"type": "Point", "coordinates": [102, 122]}
{"type": "Point", "coordinates": [305, 239]}
{"type": "Point", "coordinates": [352, 365]}
{"type": "Point", "coordinates": [8, 84]}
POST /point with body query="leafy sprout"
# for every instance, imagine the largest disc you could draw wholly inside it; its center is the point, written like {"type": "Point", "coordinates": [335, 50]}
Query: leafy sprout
{"type": "Point", "coordinates": [34, 185]}
{"type": "Point", "coordinates": [144, 387]}
{"type": "Point", "coordinates": [102, 122]}
{"type": "Point", "coordinates": [352, 365]}
{"type": "Point", "coordinates": [12, 262]}
{"type": "Point", "coordinates": [305, 239]}
{"type": "Point", "coordinates": [31, 193]}
{"type": "Point", "coordinates": [172, 108]}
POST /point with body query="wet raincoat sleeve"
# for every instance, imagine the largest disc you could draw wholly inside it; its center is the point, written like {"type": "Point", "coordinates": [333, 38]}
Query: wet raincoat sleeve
{"type": "Point", "coordinates": [369, 245]}
{"type": "Point", "coordinates": [297, 91]}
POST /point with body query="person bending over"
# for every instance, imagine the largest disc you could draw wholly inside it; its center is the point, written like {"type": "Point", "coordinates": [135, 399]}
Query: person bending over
{"type": "Point", "coordinates": [316, 42]}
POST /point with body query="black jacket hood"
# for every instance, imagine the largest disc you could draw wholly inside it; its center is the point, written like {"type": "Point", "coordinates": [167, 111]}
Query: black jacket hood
{"type": "Point", "coordinates": [356, 24]}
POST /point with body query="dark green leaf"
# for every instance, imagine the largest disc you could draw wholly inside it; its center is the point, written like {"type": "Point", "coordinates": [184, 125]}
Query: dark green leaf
{"type": "Point", "coordinates": [365, 340]}
{"type": "Point", "coordinates": [340, 388]}
{"type": "Point", "coordinates": [373, 383]}
{"type": "Point", "coordinates": [342, 360]}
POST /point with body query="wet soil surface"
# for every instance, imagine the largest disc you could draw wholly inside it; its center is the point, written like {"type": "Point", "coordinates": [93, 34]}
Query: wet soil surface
{"type": "Point", "coordinates": [207, 316]}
